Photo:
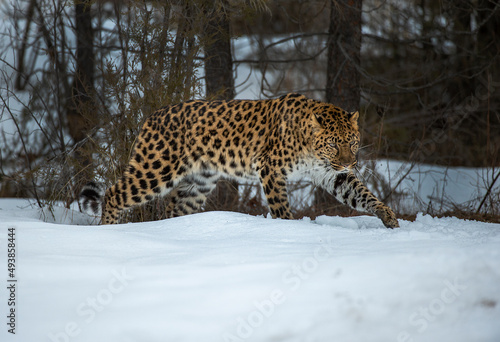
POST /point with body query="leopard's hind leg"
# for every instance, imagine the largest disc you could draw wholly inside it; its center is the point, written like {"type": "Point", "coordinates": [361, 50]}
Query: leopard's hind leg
{"type": "Point", "coordinates": [138, 186]}
{"type": "Point", "coordinates": [190, 194]}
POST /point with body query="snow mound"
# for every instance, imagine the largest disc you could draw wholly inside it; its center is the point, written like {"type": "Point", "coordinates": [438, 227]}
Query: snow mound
{"type": "Point", "coordinates": [223, 276]}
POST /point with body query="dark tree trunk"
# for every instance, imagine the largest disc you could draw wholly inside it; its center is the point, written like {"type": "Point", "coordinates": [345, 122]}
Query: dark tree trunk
{"type": "Point", "coordinates": [342, 76]}
{"type": "Point", "coordinates": [81, 113]}
{"type": "Point", "coordinates": [218, 60]}
{"type": "Point", "coordinates": [219, 86]}
{"type": "Point", "coordinates": [344, 43]}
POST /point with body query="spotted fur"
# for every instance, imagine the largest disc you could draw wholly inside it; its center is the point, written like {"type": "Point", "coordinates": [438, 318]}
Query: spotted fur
{"type": "Point", "coordinates": [182, 150]}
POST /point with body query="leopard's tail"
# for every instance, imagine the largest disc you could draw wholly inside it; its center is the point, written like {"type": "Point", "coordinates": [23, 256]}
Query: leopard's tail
{"type": "Point", "coordinates": [91, 198]}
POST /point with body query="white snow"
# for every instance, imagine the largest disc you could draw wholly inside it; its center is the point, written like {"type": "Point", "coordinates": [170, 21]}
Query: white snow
{"type": "Point", "coordinates": [222, 276]}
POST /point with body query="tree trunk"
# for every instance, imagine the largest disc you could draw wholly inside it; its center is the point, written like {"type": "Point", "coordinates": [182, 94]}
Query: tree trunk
{"type": "Point", "coordinates": [219, 86]}
{"type": "Point", "coordinates": [342, 77]}
{"type": "Point", "coordinates": [218, 60]}
{"type": "Point", "coordinates": [344, 43]}
{"type": "Point", "coordinates": [81, 113]}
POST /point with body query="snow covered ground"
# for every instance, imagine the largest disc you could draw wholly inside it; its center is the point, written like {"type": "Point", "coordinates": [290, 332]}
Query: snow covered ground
{"type": "Point", "coordinates": [223, 276]}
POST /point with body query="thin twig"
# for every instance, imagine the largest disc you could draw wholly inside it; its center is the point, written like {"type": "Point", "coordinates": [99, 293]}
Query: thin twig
{"type": "Point", "coordinates": [487, 192]}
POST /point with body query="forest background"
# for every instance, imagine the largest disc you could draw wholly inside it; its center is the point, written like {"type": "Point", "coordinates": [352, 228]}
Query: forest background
{"type": "Point", "coordinates": [77, 78]}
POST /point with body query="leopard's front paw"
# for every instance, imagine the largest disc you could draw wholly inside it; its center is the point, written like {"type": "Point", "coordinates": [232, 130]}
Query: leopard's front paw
{"type": "Point", "coordinates": [388, 217]}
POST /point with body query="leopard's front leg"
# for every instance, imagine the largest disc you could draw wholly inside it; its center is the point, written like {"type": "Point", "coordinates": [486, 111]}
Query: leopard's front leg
{"type": "Point", "coordinates": [350, 190]}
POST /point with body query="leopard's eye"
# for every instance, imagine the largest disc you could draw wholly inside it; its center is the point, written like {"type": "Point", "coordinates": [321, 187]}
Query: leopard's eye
{"type": "Point", "coordinates": [333, 145]}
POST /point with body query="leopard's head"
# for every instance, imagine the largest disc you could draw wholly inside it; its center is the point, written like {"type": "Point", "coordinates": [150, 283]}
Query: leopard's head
{"type": "Point", "coordinates": [336, 137]}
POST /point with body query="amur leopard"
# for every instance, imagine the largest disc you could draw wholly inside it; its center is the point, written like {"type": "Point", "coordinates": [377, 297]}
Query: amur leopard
{"type": "Point", "coordinates": [182, 150]}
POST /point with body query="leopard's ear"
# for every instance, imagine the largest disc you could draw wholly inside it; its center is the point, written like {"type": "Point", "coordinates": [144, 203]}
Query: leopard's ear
{"type": "Point", "coordinates": [353, 118]}
{"type": "Point", "coordinates": [317, 122]}
{"type": "Point", "coordinates": [319, 119]}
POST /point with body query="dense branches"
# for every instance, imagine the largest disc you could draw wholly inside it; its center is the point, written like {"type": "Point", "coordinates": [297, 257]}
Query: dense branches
{"type": "Point", "coordinates": [78, 78]}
